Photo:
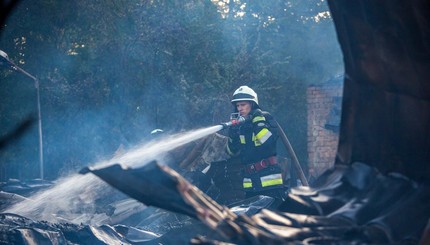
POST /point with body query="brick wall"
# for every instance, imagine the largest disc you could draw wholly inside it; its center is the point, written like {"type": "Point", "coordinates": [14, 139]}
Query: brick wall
{"type": "Point", "coordinates": [324, 103]}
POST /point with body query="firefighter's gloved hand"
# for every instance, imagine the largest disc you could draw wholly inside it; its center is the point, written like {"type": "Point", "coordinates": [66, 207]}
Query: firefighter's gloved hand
{"type": "Point", "coordinates": [234, 140]}
{"type": "Point", "coordinates": [224, 125]}
{"type": "Point", "coordinates": [233, 132]}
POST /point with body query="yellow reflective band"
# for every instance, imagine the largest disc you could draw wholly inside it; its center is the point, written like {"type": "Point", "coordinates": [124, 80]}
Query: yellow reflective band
{"type": "Point", "coordinates": [263, 135]}
{"type": "Point", "coordinates": [242, 139]}
{"type": "Point", "coordinates": [258, 118]}
{"type": "Point", "coordinates": [247, 183]}
{"type": "Point", "coordinates": [271, 180]}
{"type": "Point", "coordinates": [254, 139]}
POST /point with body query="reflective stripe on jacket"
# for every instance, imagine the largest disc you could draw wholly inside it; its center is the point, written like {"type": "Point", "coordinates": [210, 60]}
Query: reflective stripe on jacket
{"type": "Point", "coordinates": [271, 180]}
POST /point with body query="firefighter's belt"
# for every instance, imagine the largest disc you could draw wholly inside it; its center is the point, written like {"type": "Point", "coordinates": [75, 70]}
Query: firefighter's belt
{"type": "Point", "coordinates": [258, 166]}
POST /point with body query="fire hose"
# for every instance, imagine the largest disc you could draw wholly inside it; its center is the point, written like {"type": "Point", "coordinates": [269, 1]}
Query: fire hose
{"type": "Point", "coordinates": [235, 119]}
{"type": "Point", "coordinates": [290, 150]}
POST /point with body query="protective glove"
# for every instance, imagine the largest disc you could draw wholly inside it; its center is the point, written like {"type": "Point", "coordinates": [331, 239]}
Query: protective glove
{"type": "Point", "coordinates": [233, 146]}
{"type": "Point", "coordinates": [234, 132]}
{"type": "Point", "coordinates": [225, 125]}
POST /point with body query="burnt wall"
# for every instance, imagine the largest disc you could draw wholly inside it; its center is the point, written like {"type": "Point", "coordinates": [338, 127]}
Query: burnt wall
{"type": "Point", "coordinates": [386, 101]}
{"type": "Point", "coordinates": [323, 102]}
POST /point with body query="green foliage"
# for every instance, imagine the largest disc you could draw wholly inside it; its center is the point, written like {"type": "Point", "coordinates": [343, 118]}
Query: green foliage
{"type": "Point", "coordinates": [111, 71]}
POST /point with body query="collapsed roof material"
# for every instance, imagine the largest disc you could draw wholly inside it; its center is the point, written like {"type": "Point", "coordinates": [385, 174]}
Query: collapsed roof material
{"type": "Point", "coordinates": [347, 204]}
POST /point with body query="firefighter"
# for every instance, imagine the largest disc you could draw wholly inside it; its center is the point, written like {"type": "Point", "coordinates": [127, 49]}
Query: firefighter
{"type": "Point", "coordinates": [254, 142]}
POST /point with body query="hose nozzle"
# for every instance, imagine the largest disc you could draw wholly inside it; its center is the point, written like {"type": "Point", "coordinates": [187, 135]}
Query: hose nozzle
{"type": "Point", "coordinates": [233, 122]}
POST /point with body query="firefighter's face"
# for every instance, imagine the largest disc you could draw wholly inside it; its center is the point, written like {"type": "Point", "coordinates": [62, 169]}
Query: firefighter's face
{"type": "Point", "coordinates": [243, 107]}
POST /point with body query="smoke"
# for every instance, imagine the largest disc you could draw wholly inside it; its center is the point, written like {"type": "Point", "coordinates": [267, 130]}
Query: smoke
{"type": "Point", "coordinates": [75, 198]}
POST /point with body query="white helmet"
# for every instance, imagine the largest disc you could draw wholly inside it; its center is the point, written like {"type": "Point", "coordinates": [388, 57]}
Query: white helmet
{"type": "Point", "coordinates": [244, 93]}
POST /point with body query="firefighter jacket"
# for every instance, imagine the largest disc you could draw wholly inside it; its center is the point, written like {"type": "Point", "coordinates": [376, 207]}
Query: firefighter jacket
{"type": "Point", "coordinates": [254, 142]}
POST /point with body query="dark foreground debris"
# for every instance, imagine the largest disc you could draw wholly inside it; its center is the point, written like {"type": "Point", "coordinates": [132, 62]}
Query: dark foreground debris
{"type": "Point", "coordinates": [348, 204]}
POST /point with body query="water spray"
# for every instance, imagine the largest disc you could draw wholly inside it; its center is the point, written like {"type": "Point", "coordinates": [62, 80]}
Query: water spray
{"type": "Point", "coordinates": [69, 195]}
